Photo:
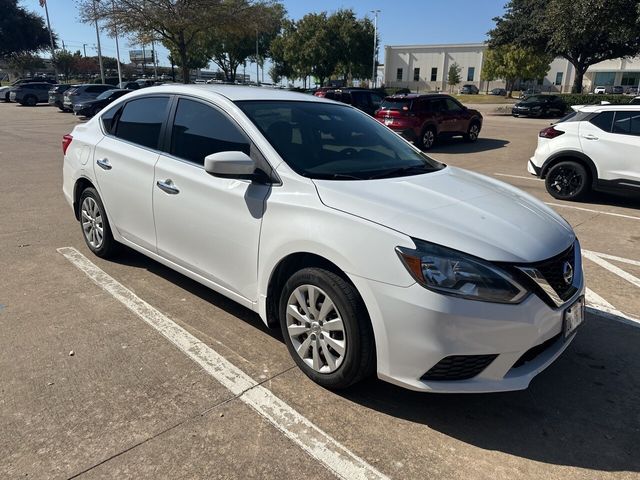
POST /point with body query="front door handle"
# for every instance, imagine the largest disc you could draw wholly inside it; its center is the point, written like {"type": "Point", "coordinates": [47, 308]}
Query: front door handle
{"type": "Point", "coordinates": [168, 186]}
{"type": "Point", "coordinates": [104, 163]}
{"type": "Point", "coordinates": [590, 137]}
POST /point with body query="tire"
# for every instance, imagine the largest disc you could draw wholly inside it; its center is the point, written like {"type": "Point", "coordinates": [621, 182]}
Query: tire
{"type": "Point", "coordinates": [568, 180]}
{"type": "Point", "coordinates": [30, 101]}
{"type": "Point", "coordinates": [473, 132]}
{"type": "Point", "coordinates": [427, 138]}
{"type": "Point", "coordinates": [6, 98]}
{"type": "Point", "coordinates": [337, 346]}
{"type": "Point", "coordinates": [92, 218]}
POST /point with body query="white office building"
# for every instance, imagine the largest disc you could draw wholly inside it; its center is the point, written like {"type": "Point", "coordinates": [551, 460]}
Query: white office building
{"type": "Point", "coordinates": [425, 68]}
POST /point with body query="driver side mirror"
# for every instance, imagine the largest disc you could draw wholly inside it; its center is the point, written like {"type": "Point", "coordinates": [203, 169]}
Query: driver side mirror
{"type": "Point", "coordinates": [230, 165]}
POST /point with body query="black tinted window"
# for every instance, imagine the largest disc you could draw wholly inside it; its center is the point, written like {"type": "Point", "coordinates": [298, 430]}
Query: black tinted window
{"type": "Point", "coordinates": [107, 118]}
{"type": "Point", "coordinates": [627, 123]}
{"type": "Point", "coordinates": [200, 130]}
{"type": "Point", "coordinates": [452, 105]}
{"type": "Point", "coordinates": [141, 121]}
{"type": "Point", "coordinates": [603, 121]}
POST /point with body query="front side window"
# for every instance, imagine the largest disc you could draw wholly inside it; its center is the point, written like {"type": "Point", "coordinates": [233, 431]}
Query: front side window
{"type": "Point", "coordinates": [603, 121]}
{"type": "Point", "coordinates": [627, 123]}
{"type": "Point", "coordinates": [326, 141]}
{"type": "Point", "coordinates": [416, 74]}
{"type": "Point", "coordinates": [200, 130]}
{"type": "Point", "coordinates": [141, 121]}
{"type": "Point", "coordinates": [470, 73]}
{"type": "Point", "coordinates": [452, 105]}
{"type": "Point", "coordinates": [399, 74]}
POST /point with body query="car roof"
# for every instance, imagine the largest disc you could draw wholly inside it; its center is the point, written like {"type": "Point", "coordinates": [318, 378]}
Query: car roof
{"type": "Point", "coordinates": [231, 92]}
{"type": "Point", "coordinates": [413, 96]}
{"type": "Point", "coordinates": [606, 108]}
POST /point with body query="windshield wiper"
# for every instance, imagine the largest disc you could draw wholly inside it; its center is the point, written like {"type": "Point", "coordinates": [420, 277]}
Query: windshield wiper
{"type": "Point", "coordinates": [335, 176]}
{"type": "Point", "coordinates": [398, 172]}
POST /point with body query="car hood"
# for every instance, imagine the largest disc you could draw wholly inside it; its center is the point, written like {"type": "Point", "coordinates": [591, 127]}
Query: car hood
{"type": "Point", "coordinates": [458, 209]}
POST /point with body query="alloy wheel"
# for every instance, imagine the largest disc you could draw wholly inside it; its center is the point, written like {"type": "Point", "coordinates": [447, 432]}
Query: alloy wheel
{"type": "Point", "coordinates": [316, 329]}
{"type": "Point", "coordinates": [566, 181]}
{"type": "Point", "coordinates": [92, 225]}
{"type": "Point", "coordinates": [428, 139]}
{"type": "Point", "coordinates": [473, 132]}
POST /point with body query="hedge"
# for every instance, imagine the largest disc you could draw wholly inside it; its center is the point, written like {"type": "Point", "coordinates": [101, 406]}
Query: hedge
{"type": "Point", "coordinates": [582, 99]}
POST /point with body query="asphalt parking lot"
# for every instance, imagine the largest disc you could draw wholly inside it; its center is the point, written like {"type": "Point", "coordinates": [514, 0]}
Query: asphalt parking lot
{"type": "Point", "coordinates": [90, 390]}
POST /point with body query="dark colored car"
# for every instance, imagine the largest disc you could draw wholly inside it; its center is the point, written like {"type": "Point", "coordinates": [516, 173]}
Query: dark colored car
{"type": "Point", "coordinates": [321, 92]}
{"type": "Point", "coordinates": [528, 92]}
{"type": "Point", "coordinates": [30, 94]}
{"type": "Point", "coordinates": [89, 108]}
{"type": "Point", "coordinates": [129, 85]}
{"type": "Point", "coordinates": [540, 106]}
{"type": "Point", "coordinates": [56, 94]}
{"type": "Point", "coordinates": [631, 91]}
{"type": "Point", "coordinates": [425, 118]}
{"type": "Point", "coordinates": [635, 101]}
{"type": "Point", "coordinates": [366, 100]}
{"type": "Point", "coordinates": [617, 90]}
{"type": "Point", "coordinates": [498, 91]}
{"type": "Point", "coordinates": [83, 93]}
{"type": "Point", "coordinates": [4, 91]}
{"type": "Point", "coordinates": [469, 90]}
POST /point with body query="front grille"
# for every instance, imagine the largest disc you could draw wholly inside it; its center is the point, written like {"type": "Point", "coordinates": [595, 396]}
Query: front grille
{"type": "Point", "coordinates": [458, 367]}
{"type": "Point", "coordinates": [533, 352]}
{"type": "Point", "coordinates": [552, 271]}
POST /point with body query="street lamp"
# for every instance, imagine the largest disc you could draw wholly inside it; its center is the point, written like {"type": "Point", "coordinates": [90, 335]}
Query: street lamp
{"type": "Point", "coordinates": [375, 46]}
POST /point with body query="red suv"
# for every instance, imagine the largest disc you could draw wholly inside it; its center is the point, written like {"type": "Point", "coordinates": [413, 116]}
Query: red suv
{"type": "Point", "coordinates": [424, 118]}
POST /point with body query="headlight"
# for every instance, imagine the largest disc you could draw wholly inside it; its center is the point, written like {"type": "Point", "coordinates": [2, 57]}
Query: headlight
{"type": "Point", "coordinates": [454, 273]}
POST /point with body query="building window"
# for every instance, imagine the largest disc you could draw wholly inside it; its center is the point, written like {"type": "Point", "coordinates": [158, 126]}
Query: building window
{"type": "Point", "coordinates": [630, 79]}
{"type": "Point", "coordinates": [416, 74]}
{"type": "Point", "coordinates": [559, 78]}
{"type": "Point", "coordinates": [434, 74]}
{"type": "Point", "coordinates": [470, 73]}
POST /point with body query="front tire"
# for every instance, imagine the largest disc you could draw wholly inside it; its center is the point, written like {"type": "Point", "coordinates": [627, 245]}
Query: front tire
{"type": "Point", "coordinates": [473, 132]}
{"type": "Point", "coordinates": [568, 180]}
{"type": "Point", "coordinates": [30, 101]}
{"type": "Point", "coordinates": [95, 225]}
{"type": "Point", "coordinates": [326, 328]}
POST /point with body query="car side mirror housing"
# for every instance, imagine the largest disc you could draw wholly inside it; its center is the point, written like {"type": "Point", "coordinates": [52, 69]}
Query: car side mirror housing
{"type": "Point", "coordinates": [232, 164]}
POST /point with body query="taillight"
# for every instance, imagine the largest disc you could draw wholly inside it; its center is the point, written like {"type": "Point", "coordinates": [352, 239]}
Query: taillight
{"type": "Point", "coordinates": [66, 141]}
{"type": "Point", "coordinates": [550, 132]}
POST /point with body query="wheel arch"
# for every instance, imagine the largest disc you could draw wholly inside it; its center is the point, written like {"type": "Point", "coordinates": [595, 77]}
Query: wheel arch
{"type": "Point", "coordinates": [572, 155]}
{"type": "Point", "coordinates": [82, 183]}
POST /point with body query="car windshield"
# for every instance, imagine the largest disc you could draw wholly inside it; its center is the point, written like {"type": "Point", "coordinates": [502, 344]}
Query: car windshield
{"type": "Point", "coordinates": [106, 94]}
{"type": "Point", "coordinates": [533, 98]}
{"type": "Point", "coordinates": [395, 104]}
{"type": "Point", "coordinates": [326, 141]}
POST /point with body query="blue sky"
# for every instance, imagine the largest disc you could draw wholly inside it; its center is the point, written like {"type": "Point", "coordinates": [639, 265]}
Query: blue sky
{"type": "Point", "coordinates": [400, 22]}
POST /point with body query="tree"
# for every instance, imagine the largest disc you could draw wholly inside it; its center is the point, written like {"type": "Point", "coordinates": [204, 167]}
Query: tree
{"type": "Point", "coordinates": [513, 63]}
{"type": "Point", "coordinates": [179, 23]}
{"type": "Point", "coordinates": [25, 63]}
{"type": "Point", "coordinates": [583, 32]}
{"type": "Point", "coordinates": [453, 77]}
{"type": "Point", "coordinates": [65, 62]}
{"type": "Point", "coordinates": [20, 31]}
{"type": "Point", "coordinates": [354, 40]}
{"type": "Point", "coordinates": [319, 53]}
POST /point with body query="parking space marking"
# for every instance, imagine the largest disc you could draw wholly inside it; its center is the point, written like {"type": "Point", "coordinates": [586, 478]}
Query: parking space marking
{"type": "Point", "coordinates": [519, 176]}
{"type": "Point", "coordinates": [617, 259]}
{"type": "Point", "coordinates": [337, 458]}
{"type": "Point", "coordinates": [594, 257]}
{"type": "Point", "coordinates": [597, 305]}
{"type": "Point", "coordinates": [593, 211]}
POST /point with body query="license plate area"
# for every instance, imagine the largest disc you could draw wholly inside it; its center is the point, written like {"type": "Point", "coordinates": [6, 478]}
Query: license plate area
{"type": "Point", "coordinates": [573, 317]}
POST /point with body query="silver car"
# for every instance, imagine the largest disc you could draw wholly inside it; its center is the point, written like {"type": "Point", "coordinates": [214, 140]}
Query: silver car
{"type": "Point", "coordinates": [83, 93]}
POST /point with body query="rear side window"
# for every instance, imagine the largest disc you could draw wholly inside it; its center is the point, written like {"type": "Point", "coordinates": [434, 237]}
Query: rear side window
{"type": "Point", "coordinates": [107, 118]}
{"type": "Point", "coordinates": [141, 121]}
{"type": "Point", "coordinates": [603, 121]}
{"type": "Point", "coordinates": [200, 130]}
{"type": "Point", "coordinates": [627, 123]}
{"type": "Point", "coordinates": [395, 104]}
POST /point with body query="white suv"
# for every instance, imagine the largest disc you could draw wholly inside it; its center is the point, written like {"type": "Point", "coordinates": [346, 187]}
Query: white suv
{"type": "Point", "coordinates": [596, 147]}
{"type": "Point", "coordinates": [369, 255]}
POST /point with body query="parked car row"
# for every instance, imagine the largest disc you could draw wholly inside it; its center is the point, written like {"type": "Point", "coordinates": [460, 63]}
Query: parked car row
{"type": "Point", "coordinates": [615, 90]}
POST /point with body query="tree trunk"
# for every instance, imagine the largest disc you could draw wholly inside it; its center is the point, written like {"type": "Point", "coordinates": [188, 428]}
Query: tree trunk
{"type": "Point", "coordinates": [577, 82]}
{"type": "Point", "coordinates": [184, 61]}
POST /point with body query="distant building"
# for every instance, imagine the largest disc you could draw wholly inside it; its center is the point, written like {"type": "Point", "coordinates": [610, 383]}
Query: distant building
{"type": "Point", "coordinates": [425, 68]}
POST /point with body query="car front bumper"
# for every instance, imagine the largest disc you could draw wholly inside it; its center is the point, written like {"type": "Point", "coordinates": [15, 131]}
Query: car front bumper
{"type": "Point", "coordinates": [416, 329]}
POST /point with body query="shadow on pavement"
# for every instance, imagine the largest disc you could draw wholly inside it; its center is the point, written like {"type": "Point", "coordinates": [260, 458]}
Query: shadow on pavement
{"type": "Point", "coordinates": [458, 145]}
{"type": "Point", "coordinates": [583, 411]}
{"type": "Point", "coordinates": [614, 199]}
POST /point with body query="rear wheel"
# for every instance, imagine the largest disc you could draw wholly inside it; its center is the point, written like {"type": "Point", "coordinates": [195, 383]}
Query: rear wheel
{"type": "Point", "coordinates": [568, 180]}
{"type": "Point", "coordinates": [427, 138]}
{"type": "Point", "coordinates": [326, 328]}
{"type": "Point", "coordinates": [95, 225]}
{"type": "Point", "coordinates": [30, 101]}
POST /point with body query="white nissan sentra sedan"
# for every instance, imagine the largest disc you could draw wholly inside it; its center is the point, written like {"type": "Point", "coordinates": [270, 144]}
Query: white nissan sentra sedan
{"type": "Point", "coordinates": [369, 255]}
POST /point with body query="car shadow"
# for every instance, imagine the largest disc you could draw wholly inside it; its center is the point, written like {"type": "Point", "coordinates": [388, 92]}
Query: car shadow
{"type": "Point", "coordinates": [458, 145]}
{"type": "Point", "coordinates": [583, 411]}
{"type": "Point", "coordinates": [614, 199]}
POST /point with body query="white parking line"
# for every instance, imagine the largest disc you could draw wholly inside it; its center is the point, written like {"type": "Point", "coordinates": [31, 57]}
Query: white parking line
{"type": "Point", "coordinates": [617, 259]}
{"type": "Point", "coordinates": [597, 305]}
{"type": "Point", "coordinates": [593, 211]}
{"type": "Point", "coordinates": [594, 257]}
{"type": "Point", "coordinates": [519, 176]}
{"type": "Point", "coordinates": [319, 445]}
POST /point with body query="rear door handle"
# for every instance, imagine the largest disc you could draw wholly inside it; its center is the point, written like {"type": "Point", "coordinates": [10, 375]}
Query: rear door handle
{"type": "Point", "coordinates": [104, 163]}
{"type": "Point", "coordinates": [168, 186]}
{"type": "Point", "coordinates": [590, 137]}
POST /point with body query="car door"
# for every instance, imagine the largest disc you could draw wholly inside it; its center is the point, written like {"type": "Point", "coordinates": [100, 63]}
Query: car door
{"type": "Point", "coordinates": [455, 113]}
{"type": "Point", "coordinates": [437, 110]}
{"type": "Point", "coordinates": [626, 130]}
{"type": "Point", "coordinates": [206, 224]}
{"type": "Point", "coordinates": [123, 165]}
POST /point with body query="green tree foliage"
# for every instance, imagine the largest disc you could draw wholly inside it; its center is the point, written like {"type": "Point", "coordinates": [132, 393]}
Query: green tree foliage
{"type": "Point", "coordinates": [583, 32]}
{"type": "Point", "coordinates": [354, 40]}
{"type": "Point", "coordinates": [23, 63]}
{"type": "Point", "coordinates": [20, 31]}
{"type": "Point", "coordinates": [65, 62]}
{"type": "Point", "coordinates": [229, 45]}
{"type": "Point", "coordinates": [513, 63]}
{"type": "Point", "coordinates": [453, 76]}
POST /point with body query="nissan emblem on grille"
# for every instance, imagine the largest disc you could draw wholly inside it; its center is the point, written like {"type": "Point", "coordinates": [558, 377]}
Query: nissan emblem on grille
{"type": "Point", "coordinates": [567, 273]}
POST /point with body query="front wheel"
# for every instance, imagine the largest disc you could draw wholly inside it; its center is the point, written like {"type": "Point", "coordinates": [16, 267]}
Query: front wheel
{"type": "Point", "coordinates": [30, 101]}
{"type": "Point", "coordinates": [473, 132]}
{"type": "Point", "coordinates": [326, 328]}
{"type": "Point", "coordinates": [567, 181]}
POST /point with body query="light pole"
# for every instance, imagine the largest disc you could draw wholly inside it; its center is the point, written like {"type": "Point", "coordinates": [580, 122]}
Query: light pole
{"type": "Point", "coordinates": [95, 13]}
{"type": "Point", "coordinates": [115, 31]}
{"type": "Point", "coordinates": [375, 46]}
{"type": "Point", "coordinates": [257, 55]}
